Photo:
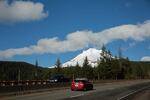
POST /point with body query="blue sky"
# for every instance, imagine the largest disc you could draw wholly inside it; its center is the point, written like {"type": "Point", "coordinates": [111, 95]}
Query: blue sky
{"type": "Point", "coordinates": [45, 30]}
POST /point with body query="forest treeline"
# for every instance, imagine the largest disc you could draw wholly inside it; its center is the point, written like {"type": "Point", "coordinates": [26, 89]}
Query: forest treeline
{"type": "Point", "coordinates": [10, 70]}
{"type": "Point", "coordinates": [108, 67]}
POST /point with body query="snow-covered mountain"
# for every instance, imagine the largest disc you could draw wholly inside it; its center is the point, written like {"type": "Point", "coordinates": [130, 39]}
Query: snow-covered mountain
{"type": "Point", "coordinates": [92, 54]}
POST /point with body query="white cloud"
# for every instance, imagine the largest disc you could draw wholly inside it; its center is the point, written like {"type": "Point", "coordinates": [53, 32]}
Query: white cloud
{"type": "Point", "coordinates": [146, 58]}
{"type": "Point", "coordinates": [82, 39]}
{"type": "Point", "coordinates": [18, 11]}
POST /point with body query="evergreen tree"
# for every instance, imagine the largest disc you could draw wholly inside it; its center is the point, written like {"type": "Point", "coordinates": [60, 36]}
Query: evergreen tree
{"type": "Point", "coordinates": [87, 70]}
{"type": "Point", "coordinates": [84, 67]}
{"type": "Point", "coordinates": [104, 66]}
{"type": "Point", "coordinates": [58, 66]}
{"type": "Point", "coordinates": [101, 64]}
{"type": "Point", "coordinates": [115, 69]}
{"type": "Point", "coordinates": [77, 71]}
{"type": "Point", "coordinates": [69, 72]}
{"type": "Point", "coordinates": [139, 72]}
{"type": "Point", "coordinates": [121, 66]}
{"type": "Point", "coordinates": [128, 71]}
{"type": "Point", "coordinates": [103, 54]}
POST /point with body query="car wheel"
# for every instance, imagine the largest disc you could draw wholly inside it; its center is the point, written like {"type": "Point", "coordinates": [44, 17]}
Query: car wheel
{"type": "Point", "coordinates": [72, 89]}
{"type": "Point", "coordinates": [92, 88]}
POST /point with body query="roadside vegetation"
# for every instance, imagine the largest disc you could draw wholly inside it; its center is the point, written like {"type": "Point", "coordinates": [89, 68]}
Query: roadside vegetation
{"type": "Point", "coordinates": [109, 67]}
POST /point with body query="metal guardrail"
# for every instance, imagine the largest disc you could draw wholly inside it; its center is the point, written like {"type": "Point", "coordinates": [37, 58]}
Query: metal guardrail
{"type": "Point", "coordinates": [22, 86]}
{"type": "Point", "coordinates": [23, 82]}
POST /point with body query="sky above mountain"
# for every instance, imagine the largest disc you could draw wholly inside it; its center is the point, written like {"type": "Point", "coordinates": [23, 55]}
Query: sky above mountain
{"type": "Point", "coordinates": [45, 30]}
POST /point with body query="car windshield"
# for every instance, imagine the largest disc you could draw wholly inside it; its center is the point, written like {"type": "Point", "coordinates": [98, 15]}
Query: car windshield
{"type": "Point", "coordinates": [56, 77]}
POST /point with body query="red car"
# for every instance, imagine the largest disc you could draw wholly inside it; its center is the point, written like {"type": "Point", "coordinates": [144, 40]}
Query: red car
{"type": "Point", "coordinates": [81, 84]}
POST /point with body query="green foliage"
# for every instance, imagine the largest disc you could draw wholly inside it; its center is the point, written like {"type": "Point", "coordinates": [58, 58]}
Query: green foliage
{"type": "Point", "coordinates": [77, 71]}
{"type": "Point", "coordinates": [115, 70]}
{"type": "Point", "coordinates": [87, 70]}
{"type": "Point", "coordinates": [58, 65]}
{"type": "Point", "coordinates": [58, 69]}
{"type": "Point", "coordinates": [10, 71]}
{"type": "Point", "coordinates": [140, 70]}
{"type": "Point", "coordinates": [69, 72]}
{"type": "Point", "coordinates": [107, 68]}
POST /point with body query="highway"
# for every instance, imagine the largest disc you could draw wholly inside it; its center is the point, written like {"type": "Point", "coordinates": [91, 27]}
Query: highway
{"type": "Point", "coordinates": [102, 91]}
{"type": "Point", "coordinates": [143, 95]}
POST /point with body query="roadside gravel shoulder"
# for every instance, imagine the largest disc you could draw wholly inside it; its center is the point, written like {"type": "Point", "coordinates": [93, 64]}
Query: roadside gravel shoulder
{"type": "Point", "coordinates": [144, 95]}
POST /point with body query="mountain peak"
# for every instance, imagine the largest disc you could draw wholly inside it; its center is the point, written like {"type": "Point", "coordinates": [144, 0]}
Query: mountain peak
{"type": "Point", "coordinates": [90, 50]}
{"type": "Point", "coordinates": [92, 54]}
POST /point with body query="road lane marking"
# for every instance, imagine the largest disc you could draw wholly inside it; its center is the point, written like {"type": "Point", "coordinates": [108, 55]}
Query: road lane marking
{"type": "Point", "coordinates": [75, 96]}
{"type": "Point", "coordinates": [132, 93]}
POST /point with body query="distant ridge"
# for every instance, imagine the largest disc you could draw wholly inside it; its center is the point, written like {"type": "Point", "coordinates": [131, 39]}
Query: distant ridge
{"type": "Point", "coordinates": [10, 70]}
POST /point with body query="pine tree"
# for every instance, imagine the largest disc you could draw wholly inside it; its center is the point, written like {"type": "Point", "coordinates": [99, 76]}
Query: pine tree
{"type": "Point", "coordinates": [115, 68]}
{"type": "Point", "coordinates": [104, 66]}
{"type": "Point", "coordinates": [128, 71]}
{"type": "Point", "coordinates": [139, 72]}
{"type": "Point", "coordinates": [87, 69]}
{"type": "Point", "coordinates": [77, 71]}
{"type": "Point", "coordinates": [58, 66]}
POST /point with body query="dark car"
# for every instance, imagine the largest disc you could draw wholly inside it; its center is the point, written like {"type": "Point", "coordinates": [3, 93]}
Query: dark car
{"type": "Point", "coordinates": [59, 78]}
{"type": "Point", "coordinates": [81, 84]}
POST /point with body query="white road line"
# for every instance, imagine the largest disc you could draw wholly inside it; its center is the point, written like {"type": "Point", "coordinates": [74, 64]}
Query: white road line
{"type": "Point", "coordinates": [132, 93]}
{"type": "Point", "coordinates": [75, 96]}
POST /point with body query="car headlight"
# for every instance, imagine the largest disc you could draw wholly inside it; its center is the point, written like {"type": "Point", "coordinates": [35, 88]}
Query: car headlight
{"type": "Point", "coordinates": [55, 80]}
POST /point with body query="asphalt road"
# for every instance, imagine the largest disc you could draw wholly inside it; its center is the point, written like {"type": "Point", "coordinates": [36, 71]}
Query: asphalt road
{"type": "Point", "coordinates": [143, 95]}
{"type": "Point", "coordinates": [103, 91]}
